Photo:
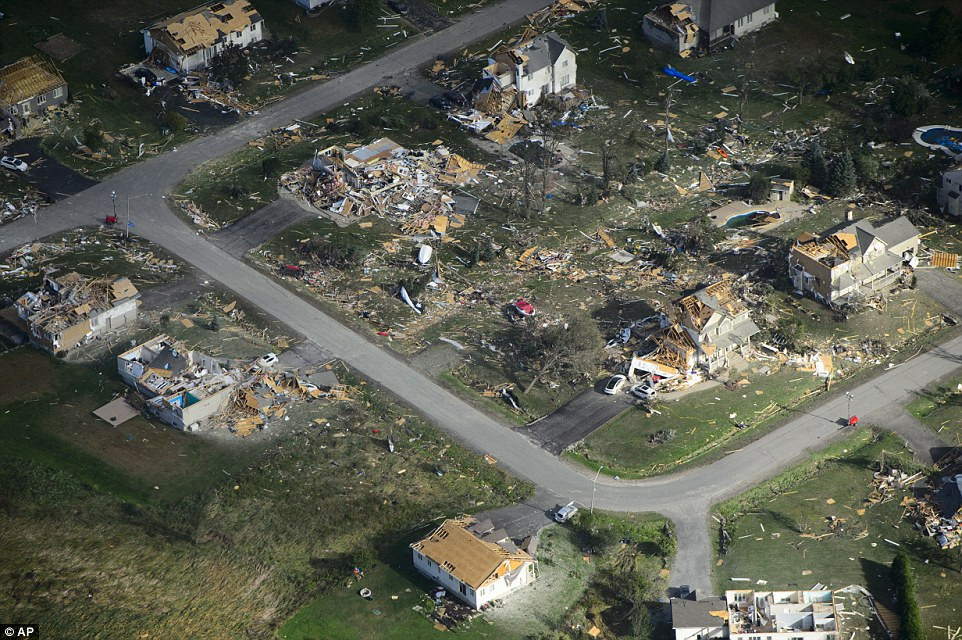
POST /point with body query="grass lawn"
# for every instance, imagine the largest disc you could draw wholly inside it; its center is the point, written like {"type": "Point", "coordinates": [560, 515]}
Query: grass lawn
{"type": "Point", "coordinates": [341, 614]}
{"type": "Point", "coordinates": [700, 422]}
{"type": "Point", "coordinates": [940, 408]}
{"type": "Point", "coordinates": [766, 526]}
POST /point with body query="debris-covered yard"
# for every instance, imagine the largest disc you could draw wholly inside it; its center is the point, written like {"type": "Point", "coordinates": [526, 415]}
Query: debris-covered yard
{"type": "Point", "coordinates": [837, 521]}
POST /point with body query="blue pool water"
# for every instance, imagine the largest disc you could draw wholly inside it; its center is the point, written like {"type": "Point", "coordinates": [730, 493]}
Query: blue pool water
{"type": "Point", "coordinates": [951, 139]}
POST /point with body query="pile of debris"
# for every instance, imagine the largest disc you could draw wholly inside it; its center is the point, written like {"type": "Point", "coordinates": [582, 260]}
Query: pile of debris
{"type": "Point", "coordinates": [27, 204]}
{"type": "Point", "coordinates": [387, 180]}
{"type": "Point", "coordinates": [939, 514]}
{"type": "Point", "coordinates": [885, 484]}
{"type": "Point", "coordinates": [266, 395]}
{"type": "Point", "coordinates": [198, 215]}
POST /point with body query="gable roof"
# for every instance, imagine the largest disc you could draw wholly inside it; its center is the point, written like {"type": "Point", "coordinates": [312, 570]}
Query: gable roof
{"type": "Point", "coordinates": [27, 78]}
{"type": "Point", "coordinates": [545, 50]}
{"type": "Point", "coordinates": [897, 231]}
{"type": "Point", "coordinates": [201, 27]}
{"type": "Point", "coordinates": [712, 15]}
{"type": "Point", "coordinates": [473, 561]}
{"type": "Point", "coordinates": [706, 302]}
{"type": "Point", "coordinates": [697, 613]}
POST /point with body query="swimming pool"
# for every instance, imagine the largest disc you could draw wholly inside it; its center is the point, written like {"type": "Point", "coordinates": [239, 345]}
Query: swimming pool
{"type": "Point", "coordinates": [944, 137]}
{"type": "Point", "coordinates": [745, 219]}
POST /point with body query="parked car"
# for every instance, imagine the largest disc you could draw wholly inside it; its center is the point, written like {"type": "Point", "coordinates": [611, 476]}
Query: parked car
{"type": "Point", "coordinates": [146, 74]}
{"type": "Point", "coordinates": [398, 6]}
{"type": "Point", "coordinates": [267, 361]}
{"type": "Point", "coordinates": [455, 97]}
{"type": "Point", "coordinates": [643, 392]}
{"type": "Point", "coordinates": [14, 164]}
{"type": "Point", "coordinates": [615, 383]}
{"type": "Point", "coordinates": [684, 591]}
{"type": "Point", "coordinates": [441, 103]}
{"type": "Point", "coordinates": [566, 512]}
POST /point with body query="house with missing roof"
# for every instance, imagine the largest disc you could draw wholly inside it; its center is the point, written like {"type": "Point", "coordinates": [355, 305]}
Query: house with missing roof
{"type": "Point", "coordinates": [524, 74]}
{"type": "Point", "coordinates": [181, 387]}
{"type": "Point", "coordinates": [70, 310]}
{"type": "Point", "coordinates": [855, 260]}
{"type": "Point", "coordinates": [28, 87]}
{"type": "Point", "coordinates": [473, 561]}
{"type": "Point", "coordinates": [949, 192]}
{"type": "Point", "coordinates": [684, 27]}
{"type": "Point", "coordinates": [714, 323]}
{"type": "Point", "coordinates": [191, 39]}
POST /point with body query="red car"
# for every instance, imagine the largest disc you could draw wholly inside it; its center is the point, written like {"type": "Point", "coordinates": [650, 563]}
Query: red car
{"type": "Point", "coordinates": [523, 307]}
{"type": "Point", "coordinates": [110, 219]}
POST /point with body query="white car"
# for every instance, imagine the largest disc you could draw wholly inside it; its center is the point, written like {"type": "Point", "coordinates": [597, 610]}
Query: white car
{"type": "Point", "coordinates": [267, 361]}
{"type": "Point", "coordinates": [566, 512]}
{"type": "Point", "coordinates": [643, 392]}
{"type": "Point", "coordinates": [615, 383]}
{"type": "Point", "coordinates": [14, 164]}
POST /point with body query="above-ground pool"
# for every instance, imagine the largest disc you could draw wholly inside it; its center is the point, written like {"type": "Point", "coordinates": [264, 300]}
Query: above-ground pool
{"type": "Point", "coordinates": [944, 137]}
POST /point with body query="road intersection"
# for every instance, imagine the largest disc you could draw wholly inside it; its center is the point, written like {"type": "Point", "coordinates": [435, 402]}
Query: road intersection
{"type": "Point", "coordinates": [685, 497]}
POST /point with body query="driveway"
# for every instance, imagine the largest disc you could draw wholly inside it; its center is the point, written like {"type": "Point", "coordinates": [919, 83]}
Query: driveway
{"type": "Point", "coordinates": [944, 287]}
{"type": "Point", "coordinates": [47, 174]}
{"type": "Point", "coordinates": [573, 422]}
{"type": "Point", "coordinates": [259, 227]}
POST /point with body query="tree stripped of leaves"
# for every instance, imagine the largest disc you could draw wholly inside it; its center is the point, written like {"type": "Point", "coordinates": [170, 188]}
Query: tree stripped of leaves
{"type": "Point", "coordinates": [229, 67]}
{"type": "Point", "coordinates": [572, 348]}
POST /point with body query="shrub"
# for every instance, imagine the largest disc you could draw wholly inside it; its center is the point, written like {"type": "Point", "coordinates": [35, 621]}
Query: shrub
{"type": "Point", "coordinates": [903, 582]}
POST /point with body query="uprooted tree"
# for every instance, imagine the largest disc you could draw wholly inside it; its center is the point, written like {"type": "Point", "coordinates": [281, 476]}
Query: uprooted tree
{"type": "Point", "coordinates": [229, 67]}
{"type": "Point", "coordinates": [570, 347]}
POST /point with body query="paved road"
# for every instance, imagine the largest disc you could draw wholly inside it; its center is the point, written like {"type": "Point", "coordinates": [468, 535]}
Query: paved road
{"type": "Point", "coordinates": [684, 497]}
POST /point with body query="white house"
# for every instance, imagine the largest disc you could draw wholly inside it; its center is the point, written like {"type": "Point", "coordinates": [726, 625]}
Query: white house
{"type": "Point", "coordinates": [190, 39]}
{"type": "Point", "coordinates": [708, 24]}
{"type": "Point", "coordinates": [717, 323]}
{"type": "Point", "coordinates": [310, 5]}
{"type": "Point", "coordinates": [948, 193]}
{"type": "Point", "coordinates": [542, 66]}
{"type": "Point", "coordinates": [181, 387]}
{"type": "Point", "coordinates": [472, 561]}
{"type": "Point", "coordinates": [782, 615]}
{"type": "Point", "coordinates": [699, 619]}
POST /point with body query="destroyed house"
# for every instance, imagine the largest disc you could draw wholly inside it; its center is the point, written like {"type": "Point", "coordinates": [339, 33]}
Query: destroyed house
{"type": "Point", "coordinates": [716, 323]}
{"type": "Point", "coordinates": [778, 615]}
{"type": "Point", "coordinates": [706, 24]}
{"type": "Point", "coordinates": [699, 619]}
{"type": "Point", "coordinates": [181, 387]}
{"type": "Point", "coordinates": [949, 498]}
{"type": "Point", "coordinates": [190, 39]}
{"type": "Point", "coordinates": [386, 179]}
{"type": "Point", "coordinates": [29, 87]}
{"type": "Point", "coordinates": [473, 561]}
{"type": "Point", "coordinates": [856, 260]}
{"type": "Point", "coordinates": [522, 75]}
{"type": "Point", "coordinates": [949, 192]}
{"type": "Point", "coordinates": [72, 309]}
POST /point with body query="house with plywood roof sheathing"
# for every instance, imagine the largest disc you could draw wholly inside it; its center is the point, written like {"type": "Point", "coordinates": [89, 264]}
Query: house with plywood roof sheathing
{"type": "Point", "coordinates": [191, 39]}
{"type": "Point", "coordinates": [473, 561]}
{"type": "Point", "coordinates": [29, 87]}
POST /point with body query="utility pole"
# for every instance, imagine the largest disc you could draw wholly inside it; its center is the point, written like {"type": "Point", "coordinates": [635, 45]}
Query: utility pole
{"type": "Point", "coordinates": [848, 414]}
{"type": "Point", "coordinates": [127, 229]}
{"type": "Point", "coordinates": [113, 198]}
{"type": "Point", "coordinates": [593, 486]}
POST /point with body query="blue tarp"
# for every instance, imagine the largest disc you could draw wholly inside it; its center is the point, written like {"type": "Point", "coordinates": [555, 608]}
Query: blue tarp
{"type": "Point", "coordinates": [675, 73]}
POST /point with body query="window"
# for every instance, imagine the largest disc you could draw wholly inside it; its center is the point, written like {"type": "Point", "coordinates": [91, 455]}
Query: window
{"type": "Point", "coordinates": [253, 27]}
{"type": "Point", "coordinates": [564, 63]}
{"type": "Point", "coordinates": [565, 79]}
{"type": "Point", "coordinates": [767, 10]}
{"type": "Point", "coordinates": [749, 18]}
{"type": "Point", "coordinates": [25, 108]}
{"type": "Point", "coordinates": [42, 99]}
{"type": "Point", "coordinates": [741, 21]}
{"type": "Point", "coordinates": [463, 589]}
{"type": "Point", "coordinates": [58, 93]}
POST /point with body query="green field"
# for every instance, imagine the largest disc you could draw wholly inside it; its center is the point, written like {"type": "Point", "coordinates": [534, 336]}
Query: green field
{"type": "Point", "coordinates": [940, 408]}
{"type": "Point", "coordinates": [768, 526]}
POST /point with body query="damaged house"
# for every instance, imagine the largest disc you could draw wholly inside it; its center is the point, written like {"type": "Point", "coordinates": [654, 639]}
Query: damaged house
{"type": "Point", "coordinates": [949, 193]}
{"type": "Point", "coordinates": [522, 75]}
{"type": "Point", "coordinates": [72, 309]}
{"type": "Point", "coordinates": [799, 615]}
{"type": "Point", "coordinates": [29, 87]}
{"type": "Point", "coordinates": [684, 27]}
{"type": "Point", "coordinates": [717, 324]}
{"type": "Point", "coordinates": [181, 387]}
{"type": "Point", "coordinates": [856, 260]}
{"type": "Point", "coordinates": [190, 39]}
{"type": "Point", "coordinates": [473, 561]}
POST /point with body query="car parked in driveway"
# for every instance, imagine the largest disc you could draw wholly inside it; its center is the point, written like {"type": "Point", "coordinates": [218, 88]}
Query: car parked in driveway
{"type": "Point", "coordinates": [615, 383]}
{"type": "Point", "coordinates": [643, 392]}
{"type": "Point", "coordinates": [146, 74]}
{"type": "Point", "coordinates": [455, 97]}
{"type": "Point", "coordinates": [566, 512]}
{"type": "Point", "coordinates": [440, 102]}
{"type": "Point", "coordinates": [400, 7]}
{"type": "Point", "coordinates": [14, 164]}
